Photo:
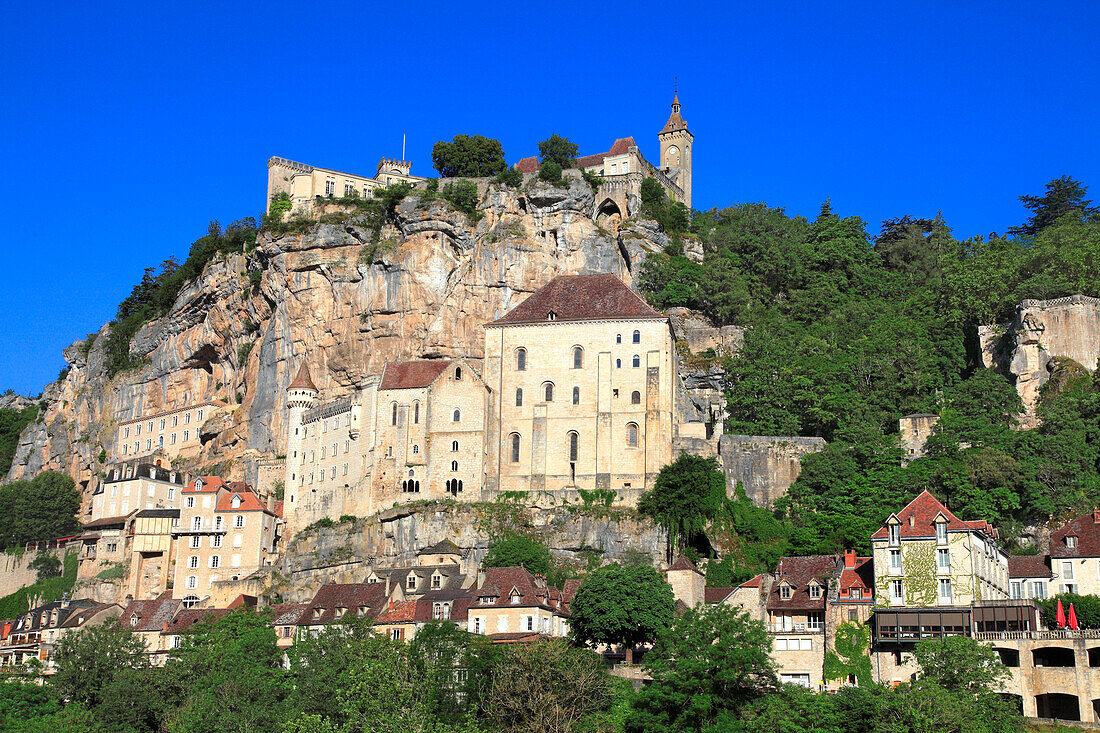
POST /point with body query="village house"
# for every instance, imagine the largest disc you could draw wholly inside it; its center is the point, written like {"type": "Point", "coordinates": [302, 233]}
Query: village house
{"type": "Point", "coordinates": [302, 183]}
{"type": "Point", "coordinates": [175, 432]}
{"type": "Point", "coordinates": [133, 485]}
{"type": "Point", "coordinates": [510, 604]}
{"type": "Point", "coordinates": [33, 634]}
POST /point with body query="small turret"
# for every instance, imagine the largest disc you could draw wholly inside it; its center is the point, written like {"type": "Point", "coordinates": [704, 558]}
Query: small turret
{"type": "Point", "coordinates": [302, 389]}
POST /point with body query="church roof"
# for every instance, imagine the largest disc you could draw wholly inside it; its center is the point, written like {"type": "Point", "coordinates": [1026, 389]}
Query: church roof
{"type": "Point", "coordinates": [580, 298]}
{"type": "Point", "coordinates": [675, 121]}
{"type": "Point", "coordinates": [412, 374]}
{"type": "Point", "coordinates": [303, 380]}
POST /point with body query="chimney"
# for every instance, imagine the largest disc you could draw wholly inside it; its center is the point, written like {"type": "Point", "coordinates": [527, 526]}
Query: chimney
{"type": "Point", "coordinates": [1096, 516]}
{"type": "Point", "coordinates": [271, 503]}
{"type": "Point", "coordinates": [849, 558]}
{"type": "Point", "coordinates": [912, 521]}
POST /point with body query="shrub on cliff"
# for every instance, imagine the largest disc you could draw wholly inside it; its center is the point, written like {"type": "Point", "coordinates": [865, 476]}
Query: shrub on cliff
{"type": "Point", "coordinates": [463, 196]}
{"type": "Point", "coordinates": [550, 172]}
{"type": "Point", "coordinates": [558, 149]}
{"type": "Point", "coordinates": [510, 176]}
{"type": "Point", "coordinates": [468, 155]}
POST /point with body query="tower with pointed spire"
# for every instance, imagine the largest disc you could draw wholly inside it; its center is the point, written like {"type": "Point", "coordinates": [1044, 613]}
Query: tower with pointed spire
{"type": "Point", "coordinates": [676, 141]}
{"type": "Point", "coordinates": [301, 396]}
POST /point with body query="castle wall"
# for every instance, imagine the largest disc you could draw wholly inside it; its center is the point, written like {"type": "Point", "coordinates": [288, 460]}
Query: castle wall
{"type": "Point", "coordinates": [765, 465]}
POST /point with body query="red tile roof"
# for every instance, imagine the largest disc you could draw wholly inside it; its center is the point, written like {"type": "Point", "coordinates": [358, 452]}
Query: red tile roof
{"type": "Point", "coordinates": [620, 147]}
{"type": "Point", "coordinates": [675, 121]}
{"type": "Point", "coordinates": [303, 380]}
{"type": "Point", "coordinates": [209, 483]}
{"type": "Point", "coordinates": [529, 164]}
{"type": "Point", "coordinates": [287, 614]}
{"type": "Point", "coordinates": [861, 576]}
{"type": "Point", "coordinates": [570, 589]}
{"type": "Point", "coordinates": [798, 572]}
{"type": "Point", "coordinates": [682, 563]}
{"type": "Point", "coordinates": [249, 503]}
{"type": "Point", "coordinates": [754, 582]}
{"type": "Point", "coordinates": [532, 590]}
{"type": "Point", "coordinates": [149, 615]}
{"type": "Point", "coordinates": [1029, 566]}
{"type": "Point", "coordinates": [918, 520]}
{"type": "Point", "coordinates": [412, 374]}
{"type": "Point", "coordinates": [348, 596]}
{"type": "Point", "coordinates": [402, 613]}
{"type": "Point", "coordinates": [1087, 529]}
{"type": "Point", "coordinates": [712, 596]}
{"type": "Point", "coordinates": [581, 298]}
{"type": "Point", "coordinates": [188, 617]}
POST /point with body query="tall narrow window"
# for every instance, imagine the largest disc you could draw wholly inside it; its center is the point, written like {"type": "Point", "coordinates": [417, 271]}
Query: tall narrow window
{"type": "Point", "coordinates": [574, 439]}
{"type": "Point", "coordinates": [458, 374]}
{"type": "Point", "coordinates": [394, 413]}
{"type": "Point", "coordinates": [635, 398]}
{"type": "Point", "coordinates": [618, 338]}
{"type": "Point", "coordinates": [576, 395]}
{"type": "Point", "coordinates": [637, 361]}
{"type": "Point", "coordinates": [454, 465]}
{"type": "Point", "coordinates": [456, 416]}
{"type": "Point", "coordinates": [416, 413]}
{"type": "Point", "coordinates": [515, 447]}
{"type": "Point", "coordinates": [519, 398]}
{"type": "Point", "coordinates": [521, 360]}
{"type": "Point", "coordinates": [454, 446]}
{"type": "Point", "coordinates": [637, 337]}
{"type": "Point", "coordinates": [578, 357]}
{"type": "Point", "coordinates": [632, 435]}
{"type": "Point", "coordinates": [548, 390]}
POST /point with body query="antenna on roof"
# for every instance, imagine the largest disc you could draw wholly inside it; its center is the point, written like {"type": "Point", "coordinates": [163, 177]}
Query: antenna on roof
{"type": "Point", "coordinates": [675, 85]}
{"type": "Point", "coordinates": [402, 146]}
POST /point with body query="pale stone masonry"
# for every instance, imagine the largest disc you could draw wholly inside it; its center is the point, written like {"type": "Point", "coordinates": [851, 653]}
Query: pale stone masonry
{"type": "Point", "coordinates": [175, 432]}
{"type": "Point", "coordinates": [302, 182]}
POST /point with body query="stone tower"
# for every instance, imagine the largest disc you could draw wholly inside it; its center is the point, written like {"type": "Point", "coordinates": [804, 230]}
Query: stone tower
{"type": "Point", "coordinates": [676, 140]}
{"type": "Point", "coordinates": [301, 396]}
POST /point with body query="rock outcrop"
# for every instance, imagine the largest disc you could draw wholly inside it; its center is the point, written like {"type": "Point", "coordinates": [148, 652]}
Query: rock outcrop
{"type": "Point", "coordinates": [765, 465]}
{"type": "Point", "coordinates": [1028, 348]}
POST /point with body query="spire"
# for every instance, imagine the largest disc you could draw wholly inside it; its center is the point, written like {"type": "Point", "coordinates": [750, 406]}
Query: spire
{"type": "Point", "coordinates": [303, 380]}
{"type": "Point", "coordinates": [675, 121]}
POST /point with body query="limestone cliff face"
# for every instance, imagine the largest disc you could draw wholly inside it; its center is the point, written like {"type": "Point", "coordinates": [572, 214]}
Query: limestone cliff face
{"type": "Point", "coordinates": [347, 298]}
{"type": "Point", "coordinates": [1043, 332]}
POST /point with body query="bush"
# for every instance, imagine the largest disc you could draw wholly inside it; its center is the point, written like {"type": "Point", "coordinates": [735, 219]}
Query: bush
{"type": "Point", "coordinates": [243, 352]}
{"type": "Point", "coordinates": [280, 204]}
{"type": "Point", "coordinates": [558, 149]}
{"type": "Point", "coordinates": [510, 176]}
{"type": "Point", "coordinates": [347, 519]}
{"type": "Point", "coordinates": [468, 155]}
{"type": "Point", "coordinates": [254, 278]}
{"type": "Point", "coordinates": [593, 179]}
{"type": "Point", "coordinates": [550, 172]}
{"type": "Point", "coordinates": [390, 196]}
{"type": "Point", "coordinates": [45, 566]}
{"type": "Point", "coordinates": [463, 196]}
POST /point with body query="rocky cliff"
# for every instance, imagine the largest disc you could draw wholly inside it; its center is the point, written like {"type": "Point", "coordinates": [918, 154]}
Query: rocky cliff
{"type": "Point", "coordinates": [348, 296]}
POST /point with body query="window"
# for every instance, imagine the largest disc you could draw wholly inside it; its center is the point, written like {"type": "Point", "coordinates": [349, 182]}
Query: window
{"type": "Point", "coordinates": [458, 374]}
{"type": "Point", "coordinates": [893, 531]}
{"type": "Point", "coordinates": [454, 465]}
{"type": "Point", "coordinates": [216, 540]}
{"type": "Point", "coordinates": [815, 591]}
{"type": "Point", "coordinates": [631, 435]}
{"type": "Point", "coordinates": [238, 522]}
{"type": "Point", "coordinates": [187, 417]}
{"type": "Point", "coordinates": [578, 357]}
{"type": "Point", "coordinates": [416, 413]}
{"type": "Point", "coordinates": [456, 416]}
{"type": "Point", "coordinates": [1038, 590]}
{"type": "Point", "coordinates": [855, 593]}
{"type": "Point", "coordinates": [515, 447]}
{"type": "Point", "coordinates": [943, 559]}
{"type": "Point", "coordinates": [1017, 589]}
{"type": "Point", "coordinates": [530, 623]}
{"type": "Point", "coordinates": [199, 416]}
{"type": "Point", "coordinates": [186, 435]}
{"type": "Point", "coordinates": [521, 360]}
{"type": "Point", "coordinates": [393, 419]}
{"type": "Point", "coordinates": [519, 398]}
{"type": "Point", "coordinates": [635, 398]}
{"type": "Point", "coordinates": [576, 395]}
{"type": "Point", "coordinates": [397, 634]}
{"type": "Point", "coordinates": [785, 592]}
{"type": "Point", "coordinates": [196, 523]}
{"type": "Point", "coordinates": [548, 392]}
{"type": "Point", "coordinates": [941, 532]}
{"type": "Point", "coordinates": [410, 582]}
{"type": "Point", "coordinates": [215, 561]}
{"type": "Point", "coordinates": [853, 614]}
{"type": "Point", "coordinates": [637, 337]}
{"type": "Point", "coordinates": [477, 625]}
{"type": "Point", "coordinates": [454, 446]}
{"type": "Point", "coordinates": [172, 441]}
{"type": "Point", "coordinates": [437, 580]}
{"type": "Point", "coordinates": [618, 338]}
{"type": "Point", "coordinates": [330, 187]}
{"type": "Point", "coordinates": [192, 581]}
{"type": "Point", "coordinates": [945, 590]}
{"type": "Point", "coordinates": [573, 445]}
{"type": "Point", "coordinates": [896, 594]}
{"type": "Point", "coordinates": [416, 449]}
{"type": "Point", "coordinates": [190, 502]}
{"type": "Point", "coordinates": [176, 420]}
{"type": "Point", "coordinates": [1067, 570]}
{"type": "Point", "coordinates": [162, 424]}
{"type": "Point", "coordinates": [636, 361]}
{"type": "Point", "coordinates": [618, 363]}
{"type": "Point", "coordinates": [193, 561]}
{"type": "Point", "coordinates": [895, 560]}
{"type": "Point", "coordinates": [196, 542]}
{"type": "Point", "coordinates": [1071, 541]}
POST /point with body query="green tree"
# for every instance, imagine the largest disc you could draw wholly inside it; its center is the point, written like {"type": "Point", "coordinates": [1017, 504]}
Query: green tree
{"type": "Point", "coordinates": [1064, 196]}
{"type": "Point", "coordinates": [550, 172]}
{"type": "Point", "coordinates": [514, 550]}
{"type": "Point", "coordinates": [558, 149]}
{"type": "Point", "coordinates": [45, 565]}
{"type": "Point", "coordinates": [619, 604]}
{"type": "Point", "coordinates": [463, 195]}
{"type": "Point", "coordinates": [709, 661]}
{"type": "Point", "coordinates": [89, 660]}
{"type": "Point", "coordinates": [510, 176]}
{"type": "Point", "coordinates": [468, 155]}
{"type": "Point", "coordinates": [960, 664]}
{"type": "Point", "coordinates": [12, 422]}
{"type": "Point", "coordinates": [20, 702]}
{"type": "Point", "coordinates": [319, 663]}
{"type": "Point", "coordinates": [42, 508]}
{"type": "Point", "coordinates": [547, 686]}
{"type": "Point", "coordinates": [685, 495]}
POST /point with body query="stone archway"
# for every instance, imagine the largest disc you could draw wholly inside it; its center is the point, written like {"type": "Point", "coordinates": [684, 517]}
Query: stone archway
{"type": "Point", "coordinates": [609, 215]}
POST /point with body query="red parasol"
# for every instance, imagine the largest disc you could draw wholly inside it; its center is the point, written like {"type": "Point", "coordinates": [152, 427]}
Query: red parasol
{"type": "Point", "coordinates": [1060, 618]}
{"type": "Point", "coordinates": [1072, 621]}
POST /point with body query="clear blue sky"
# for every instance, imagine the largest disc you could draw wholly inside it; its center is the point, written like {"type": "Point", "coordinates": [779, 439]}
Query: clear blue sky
{"type": "Point", "coordinates": [124, 129]}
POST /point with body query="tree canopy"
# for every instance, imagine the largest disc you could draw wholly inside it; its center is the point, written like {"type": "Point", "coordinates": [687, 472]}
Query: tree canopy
{"type": "Point", "coordinates": [685, 495]}
{"type": "Point", "coordinates": [559, 150]}
{"type": "Point", "coordinates": [468, 155]}
{"type": "Point", "coordinates": [621, 604]}
{"type": "Point", "coordinates": [42, 508]}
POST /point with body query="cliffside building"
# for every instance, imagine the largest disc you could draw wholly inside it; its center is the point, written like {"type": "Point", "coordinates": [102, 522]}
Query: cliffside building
{"type": "Point", "coordinates": [302, 182]}
{"type": "Point", "coordinates": [175, 432]}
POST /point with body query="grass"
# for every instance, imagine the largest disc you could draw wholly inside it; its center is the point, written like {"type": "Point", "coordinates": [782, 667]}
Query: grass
{"type": "Point", "coordinates": [50, 589]}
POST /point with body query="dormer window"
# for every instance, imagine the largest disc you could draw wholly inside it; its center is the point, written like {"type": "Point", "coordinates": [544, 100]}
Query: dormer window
{"type": "Point", "coordinates": [785, 592]}
{"type": "Point", "coordinates": [236, 502]}
{"type": "Point", "coordinates": [894, 533]}
{"type": "Point", "coordinates": [410, 582]}
{"type": "Point", "coordinates": [488, 600]}
{"type": "Point", "coordinates": [437, 580]}
{"type": "Point", "coordinates": [941, 530]}
{"type": "Point", "coordinates": [340, 612]}
{"type": "Point", "coordinates": [855, 594]}
{"type": "Point", "coordinates": [318, 613]}
{"type": "Point", "coordinates": [362, 610]}
{"type": "Point", "coordinates": [133, 620]}
{"type": "Point", "coordinates": [551, 315]}
{"type": "Point", "coordinates": [1071, 541]}
{"type": "Point", "coordinates": [815, 591]}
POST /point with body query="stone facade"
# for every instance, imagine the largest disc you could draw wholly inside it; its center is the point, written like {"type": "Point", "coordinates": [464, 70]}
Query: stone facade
{"type": "Point", "coordinates": [915, 430]}
{"type": "Point", "coordinates": [303, 183]}
{"type": "Point", "coordinates": [135, 485]}
{"type": "Point", "coordinates": [175, 432]}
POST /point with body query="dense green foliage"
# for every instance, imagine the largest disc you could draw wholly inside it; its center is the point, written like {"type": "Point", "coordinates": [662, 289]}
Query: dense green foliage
{"type": "Point", "coordinates": [960, 664]}
{"type": "Point", "coordinates": [559, 150]}
{"type": "Point", "coordinates": [45, 566]}
{"type": "Point", "coordinates": [510, 176]}
{"type": "Point", "coordinates": [550, 172]}
{"type": "Point", "coordinates": [517, 550]}
{"type": "Point", "coordinates": [468, 155]}
{"type": "Point", "coordinates": [42, 508]}
{"type": "Point", "coordinates": [12, 422]}
{"type": "Point", "coordinates": [463, 196]}
{"type": "Point", "coordinates": [88, 662]}
{"type": "Point", "coordinates": [673, 216]}
{"type": "Point", "coordinates": [846, 333]}
{"type": "Point", "coordinates": [621, 604]}
{"type": "Point", "coordinates": [42, 591]}
{"type": "Point", "coordinates": [686, 494]}
{"type": "Point", "coordinates": [1085, 608]}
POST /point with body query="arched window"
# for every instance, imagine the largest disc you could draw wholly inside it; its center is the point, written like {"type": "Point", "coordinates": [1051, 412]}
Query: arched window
{"type": "Point", "coordinates": [576, 395]}
{"type": "Point", "coordinates": [456, 416]}
{"type": "Point", "coordinates": [458, 374]}
{"type": "Point", "coordinates": [637, 337]}
{"type": "Point", "coordinates": [416, 449]}
{"type": "Point", "coordinates": [515, 447]}
{"type": "Point", "coordinates": [416, 413]}
{"type": "Point", "coordinates": [635, 397]}
{"type": "Point", "coordinates": [574, 441]}
{"type": "Point", "coordinates": [548, 392]}
{"type": "Point", "coordinates": [454, 446]}
{"type": "Point", "coordinates": [618, 338]}
{"type": "Point", "coordinates": [519, 398]}
{"type": "Point", "coordinates": [578, 357]}
{"type": "Point", "coordinates": [636, 361]}
{"type": "Point", "coordinates": [454, 465]}
{"type": "Point", "coordinates": [394, 413]}
{"type": "Point", "coordinates": [521, 359]}
{"type": "Point", "coordinates": [632, 435]}
{"type": "Point", "coordinates": [618, 363]}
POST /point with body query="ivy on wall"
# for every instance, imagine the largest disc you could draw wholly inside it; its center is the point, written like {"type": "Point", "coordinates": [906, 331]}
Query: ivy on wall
{"type": "Point", "coordinates": [851, 657]}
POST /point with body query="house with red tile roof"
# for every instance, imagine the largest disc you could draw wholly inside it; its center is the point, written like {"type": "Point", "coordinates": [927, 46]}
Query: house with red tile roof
{"type": "Point", "coordinates": [1075, 556]}
{"type": "Point", "coordinates": [511, 600]}
{"type": "Point", "coordinates": [1030, 576]}
{"type": "Point", "coordinates": [336, 602]}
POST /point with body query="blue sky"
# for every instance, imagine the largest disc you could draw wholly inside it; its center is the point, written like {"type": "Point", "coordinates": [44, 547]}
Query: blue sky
{"type": "Point", "coordinates": [126, 128]}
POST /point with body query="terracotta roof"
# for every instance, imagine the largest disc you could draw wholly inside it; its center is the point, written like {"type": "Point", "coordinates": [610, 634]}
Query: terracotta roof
{"type": "Point", "coordinates": [303, 380]}
{"type": "Point", "coordinates": [188, 617]}
{"type": "Point", "coordinates": [570, 589]}
{"type": "Point", "coordinates": [530, 164]}
{"type": "Point", "coordinates": [446, 547]}
{"type": "Point", "coordinates": [712, 596]}
{"type": "Point", "coordinates": [682, 563]}
{"type": "Point", "coordinates": [918, 520]}
{"type": "Point", "coordinates": [403, 613]}
{"type": "Point", "coordinates": [1087, 529]}
{"type": "Point", "coordinates": [278, 507]}
{"type": "Point", "coordinates": [85, 614]}
{"type": "Point", "coordinates": [533, 590]}
{"type": "Point", "coordinates": [249, 503]}
{"type": "Point", "coordinates": [151, 614]}
{"type": "Point", "coordinates": [349, 596]}
{"type": "Point", "coordinates": [287, 614]}
{"type": "Point", "coordinates": [209, 483]}
{"type": "Point", "coordinates": [412, 374]}
{"type": "Point", "coordinates": [620, 147]}
{"type": "Point", "coordinates": [798, 572]}
{"type": "Point", "coordinates": [861, 576]}
{"type": "Point", "coordinates": [1029, 566]}
{"type": "Point", "coordinates": [581, 298]}
{"type": "Point", "coordinates": [754, 582]}
{"type": "Point", "coordinates": [675, 121]}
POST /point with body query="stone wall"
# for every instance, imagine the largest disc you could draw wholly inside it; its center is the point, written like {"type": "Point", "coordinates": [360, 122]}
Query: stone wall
{"type": "Point", "coordinates": [15, 573]}
{"type": "Point", "coordinates": [766, 465]}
